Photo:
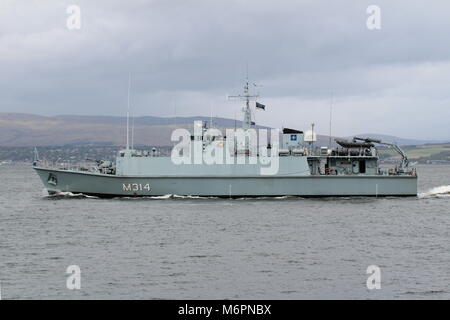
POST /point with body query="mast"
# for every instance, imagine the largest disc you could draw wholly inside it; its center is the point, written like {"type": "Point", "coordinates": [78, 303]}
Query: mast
{"type": "Point", "coordinates": [211, 116]}
{"type": "Point", "coordinates": [128, 113]}
{"type": "Point", "coordinates": [132, 132]}
{"type": "Point", "coordinates": [36, 154]}
{"type": "Point", "coordinates": [331, 117]}
{"type": "Point", "coordinates": [247, 112]}
{"type": "Point", "coordinates": [247, 97]}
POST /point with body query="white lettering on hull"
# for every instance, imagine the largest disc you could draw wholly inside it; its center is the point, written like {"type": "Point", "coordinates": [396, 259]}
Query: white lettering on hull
{"type": "Point", "coordinates": [136, 187]}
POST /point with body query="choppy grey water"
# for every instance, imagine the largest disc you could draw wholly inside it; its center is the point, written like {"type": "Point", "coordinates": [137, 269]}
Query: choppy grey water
{"type": "Point", "coordinates": [174, 248]}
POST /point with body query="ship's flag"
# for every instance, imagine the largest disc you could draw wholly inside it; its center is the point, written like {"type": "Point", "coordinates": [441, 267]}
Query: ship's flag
{"type": "Point", "coordinates": [260, 106]}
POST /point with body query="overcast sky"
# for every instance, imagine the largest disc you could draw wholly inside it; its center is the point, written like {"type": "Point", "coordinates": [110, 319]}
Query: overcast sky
{"type": "Point", "coordinates": [185, 56]}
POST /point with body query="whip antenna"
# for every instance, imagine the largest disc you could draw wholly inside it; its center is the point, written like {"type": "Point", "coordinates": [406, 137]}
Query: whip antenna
{"type": "Point", "coordinates": [128, 112]}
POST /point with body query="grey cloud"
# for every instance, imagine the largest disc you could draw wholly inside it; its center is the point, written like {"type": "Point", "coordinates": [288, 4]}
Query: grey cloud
{"type": "Point", "coordinates": [186, 55]}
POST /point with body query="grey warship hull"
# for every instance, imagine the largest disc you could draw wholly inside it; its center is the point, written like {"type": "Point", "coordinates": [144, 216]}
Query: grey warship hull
{"type": "Point", "coordinates": [104, 185]}
{"type": "Point", "coordinates": [241, 162]}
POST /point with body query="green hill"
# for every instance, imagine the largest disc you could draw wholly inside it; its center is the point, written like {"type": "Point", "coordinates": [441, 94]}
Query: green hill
{"type": "Point", "coordinates": [421, 153]}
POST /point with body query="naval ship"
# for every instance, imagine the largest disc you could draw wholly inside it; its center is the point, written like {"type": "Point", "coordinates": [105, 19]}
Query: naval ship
{"type": "Point", "coordinates": [352, 168]}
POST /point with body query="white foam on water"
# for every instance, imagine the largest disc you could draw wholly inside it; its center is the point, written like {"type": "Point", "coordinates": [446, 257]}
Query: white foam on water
{"type": "Point", "coordinates": [193, 197]}
{"type": "Point", "coordinates": [437, 192]}
{"type": "Point", "coordinates": [68, 195]}
{"type": "Point", "coordinates": [166, 196]}
{"type": "Point", "coordinates": [268, 198]}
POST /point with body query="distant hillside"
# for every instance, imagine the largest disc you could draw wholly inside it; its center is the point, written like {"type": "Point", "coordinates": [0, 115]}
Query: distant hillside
{"type": "Point", "coordinates": [422, 153]}
{"type": "Point", "coordinates": [31, 130]}
{"type": "Point", "coordinates": [18, 129]}
{"type": "Point", "coordinates": [399, 141]}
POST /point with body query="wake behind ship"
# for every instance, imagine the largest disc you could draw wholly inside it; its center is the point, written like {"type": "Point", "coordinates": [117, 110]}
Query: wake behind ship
{"type": "Point", "coordinates": [292, 167]}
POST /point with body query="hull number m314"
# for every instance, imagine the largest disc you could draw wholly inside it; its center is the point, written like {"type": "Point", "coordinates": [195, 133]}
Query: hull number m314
{"type": "Point", "coordinates": [136, 187]}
